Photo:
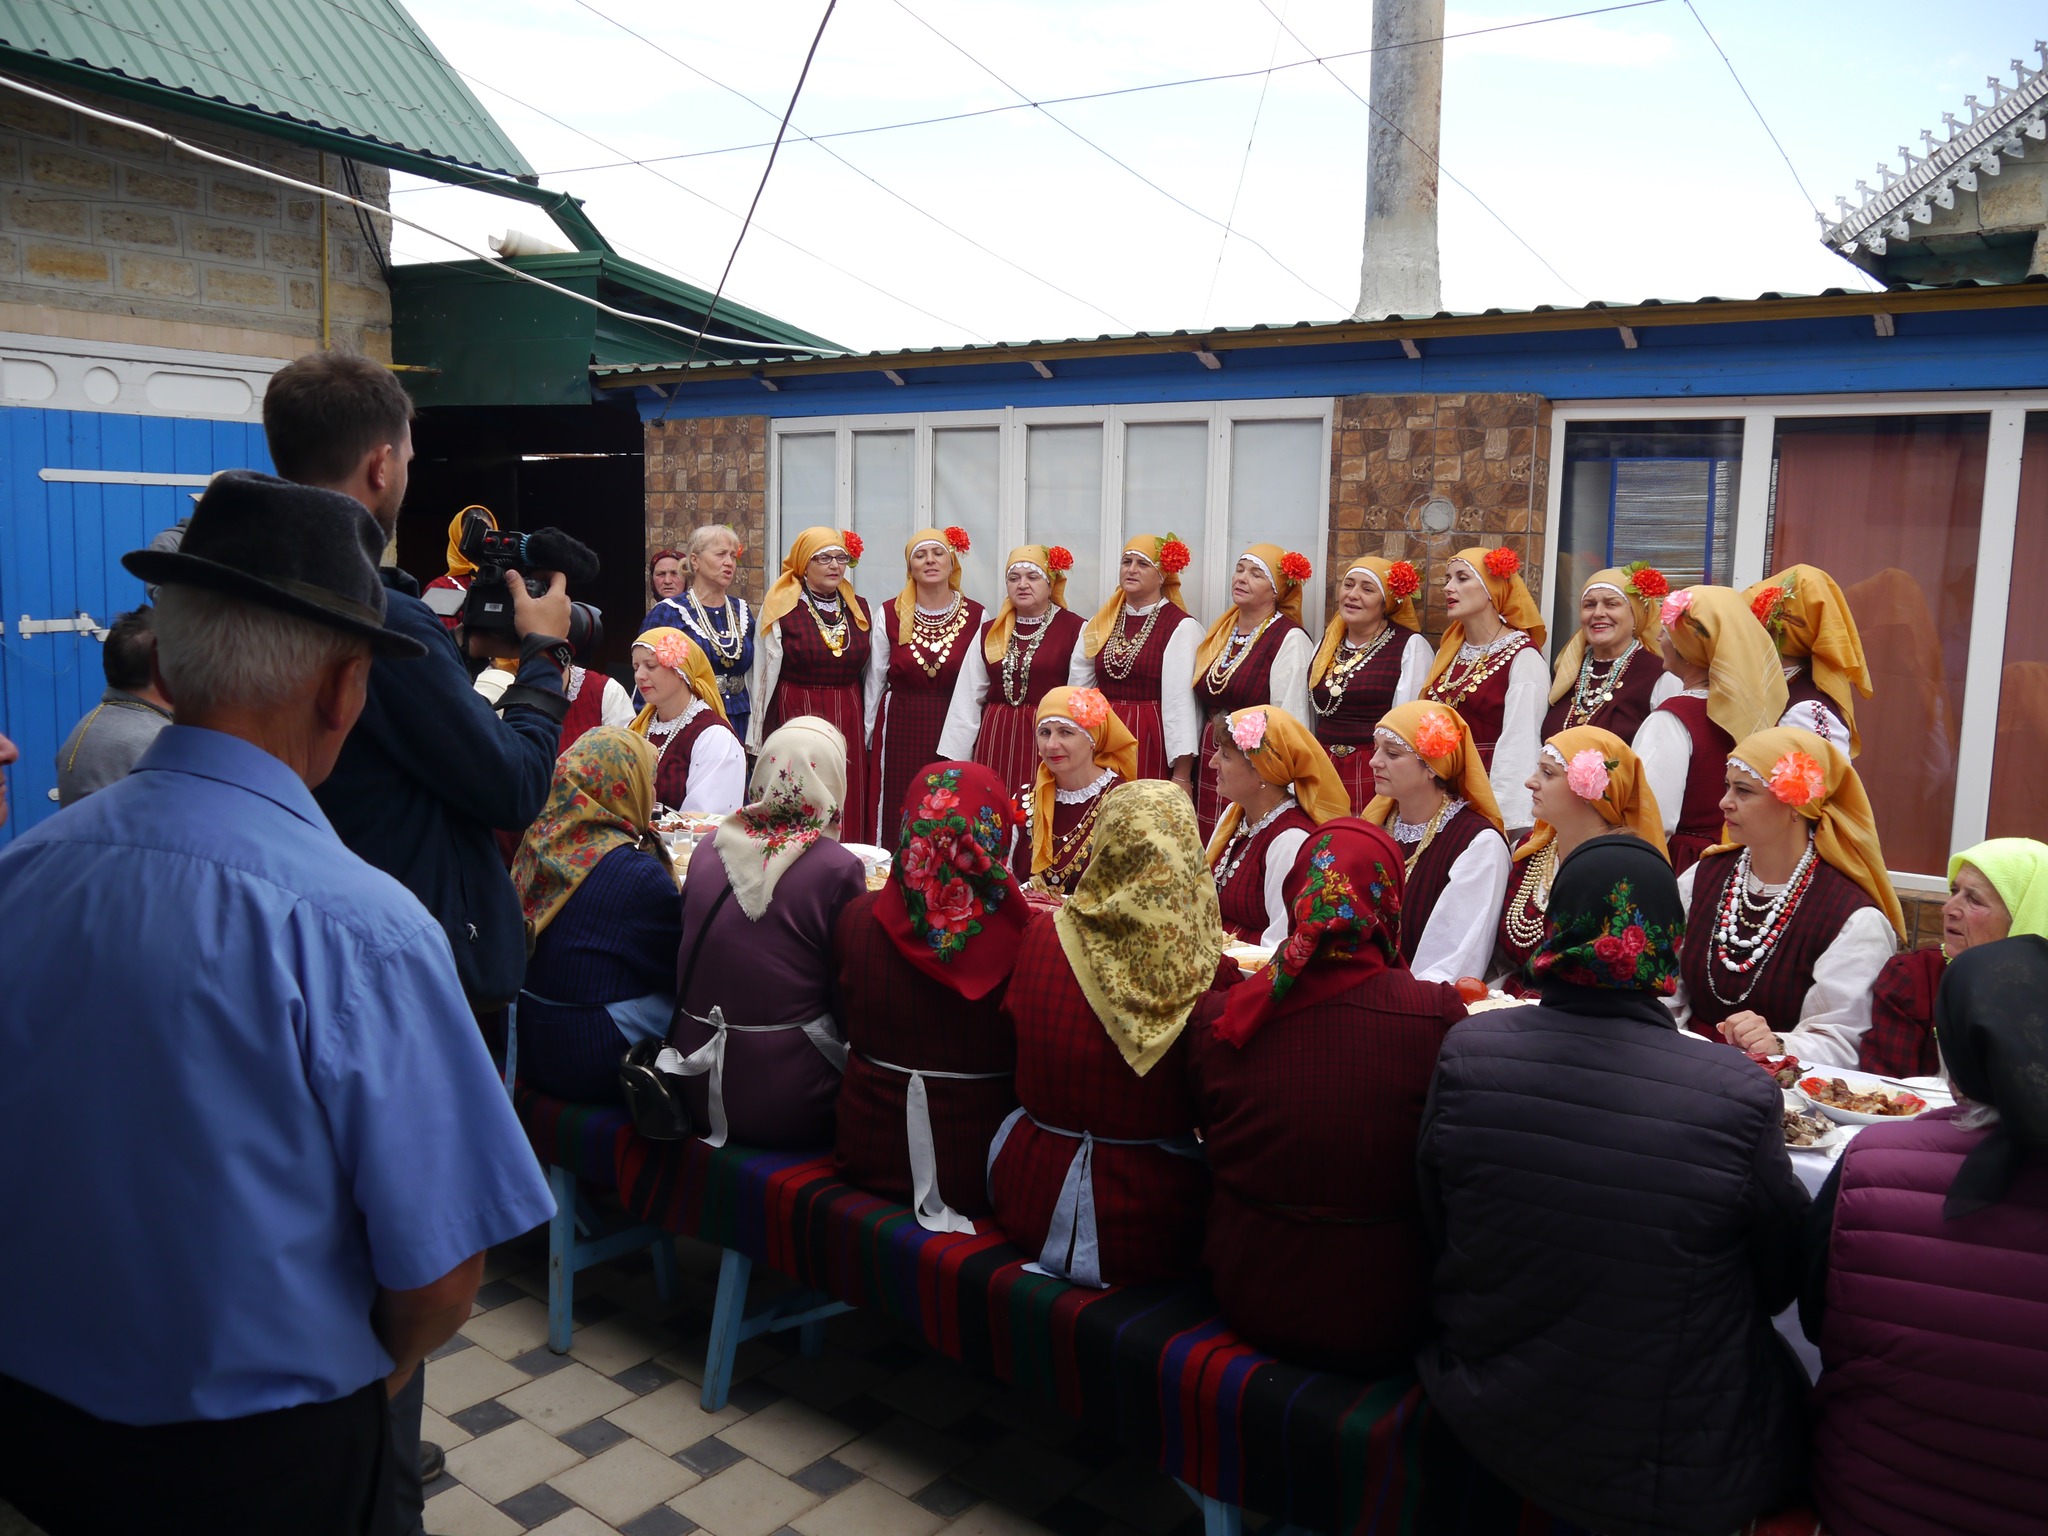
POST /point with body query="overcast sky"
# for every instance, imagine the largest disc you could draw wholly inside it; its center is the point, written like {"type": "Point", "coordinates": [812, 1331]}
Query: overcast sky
{"type": "Point", "coordinates": [1616, 146]}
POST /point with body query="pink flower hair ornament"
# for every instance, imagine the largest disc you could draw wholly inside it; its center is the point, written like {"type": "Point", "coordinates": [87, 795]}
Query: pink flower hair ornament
{"type": "Point", "coordinates": [1797, 779]}
{"type": "Point", "coordinates": [1676, 607]}
{"type": "Point", "coordinates": [673, 652]}
{"type": "Point", "coordinates": [1087, 708]}
{"type": "Point", "coordinates": [1248, 729]}
{"type": "Point", "coordinates": [1588, 774]}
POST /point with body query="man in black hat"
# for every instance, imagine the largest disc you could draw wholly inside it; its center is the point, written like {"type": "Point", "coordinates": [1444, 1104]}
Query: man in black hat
{"type": "Point", "coordinates": [430, 772]}
{"type": "Point", "coordinates": [234, 1055]}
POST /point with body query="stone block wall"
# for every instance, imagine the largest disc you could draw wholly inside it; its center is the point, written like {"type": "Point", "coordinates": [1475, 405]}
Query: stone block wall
{"type": "Point", "coordinates": [1488, 455]}
{"type": "Point", "coordinates": [109, 221]}
{"type": "Point", "coordinates": [712, 470]}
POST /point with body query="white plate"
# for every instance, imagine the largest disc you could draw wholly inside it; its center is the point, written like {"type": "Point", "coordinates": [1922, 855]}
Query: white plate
{"type": "Point", "coordinates": [1865, 1082]}
{"type": "Point", "coordinates": [873, 859]}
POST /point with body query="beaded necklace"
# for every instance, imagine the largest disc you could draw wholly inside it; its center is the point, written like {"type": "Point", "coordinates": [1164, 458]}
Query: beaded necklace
{"type": "Point", "coordinates": [933, 635]}
{"type": "Point", "coordinates": [726, 644]}
{"type": "Point", "coordinates": [1748, 929]}
{"type": "Point", "coordinates": [1240, 842]}
{"type": "Point", "coordinates": [834, 635]}
{"type": "Point", "coordinates": [1061, 873]}
{"type": "Point", "coordinates": [1454, 688]}
{"type": "Point", "coordinates": [1236, 648]}
{"type": "Point", "coordinates": [1349, 659]}
{"type": "Point", "coordinates": [1120, 654]}
{"type": "Point", "coordinates": [1586, 702]}
{"type": "Point", "coordinates": [1532, 895]}
{"type": "Point", "coordinates": [1017, 660]}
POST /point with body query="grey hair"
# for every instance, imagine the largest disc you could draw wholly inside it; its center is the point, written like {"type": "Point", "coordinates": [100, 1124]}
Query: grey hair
{"type": "Point", "coordinates": [700, 538]}
{"type": "Point", "coordinates": [219, 651]}
{"type": "Point", "coordinates": [1977, 1117]}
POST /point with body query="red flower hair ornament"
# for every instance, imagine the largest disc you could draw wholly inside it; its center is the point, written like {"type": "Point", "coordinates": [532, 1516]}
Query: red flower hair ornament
{"type": "Point", "coordinates": [1087, 707]}
{"type": "Point", "coordinates": [1796, 779]}
{"type": "Point", "coordinates": [854, 548]}
{"type": "Point", "coordinates": [1059, 557]}
{"type": "Point", "coordinates": [1296, 567]}
{"type": "Point", "coordinates": [956, 539]}
{"type": "Point", "coordinates": [1502, 563]}
{"type": "Point", "coordinates": [1438, 735]}
{"type": "Point", "coordinates": [1647, 581]}
{"type": "Point", "coordinates": [1174, 555]}
{"type": "Point", "coordinates": [1403, 580]}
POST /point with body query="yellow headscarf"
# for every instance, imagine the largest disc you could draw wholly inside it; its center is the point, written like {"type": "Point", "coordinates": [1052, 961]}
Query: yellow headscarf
{"type": "Point", "coordinates": [1846, 834]}
{"type": "Point", "coordinates": [1286, 592]}
{"type": "Point", "coordinates": [1640, 603]}
{"type": "Point", "coordinates": [1401, 612]}
{"type": "Point", "coordinates": [1812, 622]}
{"type": "Point", "coordinates": [1115, 747]}
{"type": "Point", "coordinates": [602, 799]}
{"type": "Point", "coordinates": [2017, 868]}
{"type": "Point", "coordinates": [1626, 799]}
{"type": "Point", "coordinates": [460, 564]}
{"type": "Point", "coordinates": [906, 601]}
{"type": "Point", "coordinates": [1457, 763]}
{"type": "Point", "coordinates": [1286, 754]}
{"type": "Point", "coordinates": [1511, 600]}
{"type": "Point", "coordinates": [1712, 627]}
{"type": "Point", "coordinates": [684, 657]}
{"type": "Point", "coordinates": [783, 596]}
{"type": "Point", "coordinates": [1098, 630]}
{"type": "Point", "coordinates": [1142, 930]}
{"type": "Point", "coordinates": [1039, 556]}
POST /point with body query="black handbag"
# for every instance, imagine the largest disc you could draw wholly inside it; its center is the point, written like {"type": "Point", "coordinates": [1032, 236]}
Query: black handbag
{"type": "Point", "coordinates": [654, 1097]}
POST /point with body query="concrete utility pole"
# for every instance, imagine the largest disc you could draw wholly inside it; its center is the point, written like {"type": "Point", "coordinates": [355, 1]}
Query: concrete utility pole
{"type": "Point", "coordinates": [1400, 275]}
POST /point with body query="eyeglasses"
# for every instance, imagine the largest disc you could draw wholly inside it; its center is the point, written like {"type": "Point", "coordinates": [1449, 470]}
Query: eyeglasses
{"type": "Point", "coordinates": [828, 560]}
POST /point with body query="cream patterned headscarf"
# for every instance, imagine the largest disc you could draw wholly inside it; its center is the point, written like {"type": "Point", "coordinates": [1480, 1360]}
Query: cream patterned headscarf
{"type": "Point", "coordinates": [793, 799]}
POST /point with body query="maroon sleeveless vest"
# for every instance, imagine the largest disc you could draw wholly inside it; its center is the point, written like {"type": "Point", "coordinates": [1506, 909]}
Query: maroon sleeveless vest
{"type": "Point", "coordinates": [1252, 682]}
{"type": "Point", "coordinates": [1141, 684]}
{"type": "Point", "coordinates": [585, 710]}
{"type": "Point", "coordinates": [1368, 695]}
{"type": "Point", "coordinates": [1433, 872]}
{"type": "Point", "coordinates": [1781, 982]}
{"type": "Point", "coordinates": [1629, 707]}
{"type": "Point", "coordinates": [1049, 663]}
{"type": "Point", "coordinates": [1506, 950]}
{"type": "Point", "coordinates": [672, 774]}
{"type": "Point", "coordinates": [1242, 899]}
{"type": "Point", "coordinates": [1484, 707]}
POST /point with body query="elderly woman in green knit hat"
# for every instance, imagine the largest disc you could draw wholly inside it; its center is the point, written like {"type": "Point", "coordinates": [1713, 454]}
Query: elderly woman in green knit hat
{"type": "Point", "coordinates": [1997, 890]}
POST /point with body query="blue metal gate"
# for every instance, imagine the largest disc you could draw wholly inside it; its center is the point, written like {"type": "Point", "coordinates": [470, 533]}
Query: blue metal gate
{"type": "Point", "coordinates": [78, 489]}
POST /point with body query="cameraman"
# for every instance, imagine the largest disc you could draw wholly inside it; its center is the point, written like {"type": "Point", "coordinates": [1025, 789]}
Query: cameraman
{"type": "Point", "coordinates": [430, 769]}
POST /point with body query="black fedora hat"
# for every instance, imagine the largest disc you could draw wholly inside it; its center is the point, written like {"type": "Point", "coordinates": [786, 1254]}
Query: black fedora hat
{"type": "Point", "coordinates": [305, 551]}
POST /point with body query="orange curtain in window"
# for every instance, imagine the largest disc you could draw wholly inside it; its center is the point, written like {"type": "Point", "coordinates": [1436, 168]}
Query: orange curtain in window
{"type": "Point", "coordinates": [2019, 785]}
{"type": "Point", "coordinates": [1889, 506]}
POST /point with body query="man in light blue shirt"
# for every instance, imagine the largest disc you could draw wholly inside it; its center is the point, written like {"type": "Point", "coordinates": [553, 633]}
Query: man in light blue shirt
{"type": "Point", "coordinates": [256, 1145]}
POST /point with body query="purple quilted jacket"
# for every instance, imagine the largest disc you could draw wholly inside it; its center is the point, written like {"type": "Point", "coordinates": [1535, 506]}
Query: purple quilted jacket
{"type": "Point", "coordinates": [1934, 1346]}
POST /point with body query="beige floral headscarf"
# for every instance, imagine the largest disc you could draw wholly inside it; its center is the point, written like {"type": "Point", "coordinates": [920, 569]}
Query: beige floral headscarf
{"type": "Point", "coordinates": [793, 799]}
{"type": "Point", "coordinates": [1142, 931]}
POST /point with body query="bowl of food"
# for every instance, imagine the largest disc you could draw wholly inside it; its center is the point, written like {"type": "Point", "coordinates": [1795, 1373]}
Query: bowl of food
{"type": "Point", "coordinates": [1863, 1101]}
{"type": "Point", "coordinates": [1810, 1132]}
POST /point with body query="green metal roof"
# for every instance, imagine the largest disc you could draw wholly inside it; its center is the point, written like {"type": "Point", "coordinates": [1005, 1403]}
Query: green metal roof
{"type": "Point", "coordinates": [362, 69]}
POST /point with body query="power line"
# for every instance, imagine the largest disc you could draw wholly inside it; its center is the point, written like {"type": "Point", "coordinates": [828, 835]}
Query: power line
{"type": "Point", "coordinates": [766, 170]}
{"type": "Point", "coordinates": [1441, 169]}
{"type": "Point", "coordinates": [1244, 165]}
{"type": "Point", "coordinates": [858, 171]}
{"type": "Point", "coordinates": [1121, 164]}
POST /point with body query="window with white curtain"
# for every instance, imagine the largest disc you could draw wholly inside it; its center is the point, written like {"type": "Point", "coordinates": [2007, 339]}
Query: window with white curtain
{"type": "Point", "coordinates": [1063, 502]}
{"type": "Point", "coordinates": [1166, 488]}
{"type": "Point", "coordinates": [1277, 493]}
{"type": "Point", "coordinates": [967, 492]}
{"type": "Point", "coordinates": [807, 474]}
{"type": "Point", "coordinates": [884, 507]}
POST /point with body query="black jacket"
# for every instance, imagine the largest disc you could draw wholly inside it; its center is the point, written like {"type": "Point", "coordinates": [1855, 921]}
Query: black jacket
{"type": "Point", "coordinates": [427, 773]}
{"type": "Point", "coordinates": [1618, 1223]}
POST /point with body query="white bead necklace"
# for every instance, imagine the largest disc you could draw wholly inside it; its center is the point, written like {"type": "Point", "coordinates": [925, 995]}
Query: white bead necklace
{"type": "Point", "coordinates": [1241, 841]}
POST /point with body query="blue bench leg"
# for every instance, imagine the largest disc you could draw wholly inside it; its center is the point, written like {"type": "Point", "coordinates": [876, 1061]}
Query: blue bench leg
{"type": "Point", "coordinates": [728, 1318]}
{"type": "Point", "coordinates": [668, 1274]}
{"type": "Point", "coordinates": [1218, 1518]}
{"type": "Point", "coordinates": [561, 1259]}
{"type": "Point", "coordinates": [810, 1338]}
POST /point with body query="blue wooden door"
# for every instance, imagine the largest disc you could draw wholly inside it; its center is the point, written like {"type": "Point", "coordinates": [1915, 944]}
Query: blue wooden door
{"type": "Point", "coordinates": [62, 535]}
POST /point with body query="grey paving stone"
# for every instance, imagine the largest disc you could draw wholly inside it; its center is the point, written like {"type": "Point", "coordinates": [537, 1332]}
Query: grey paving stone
{"type": "Point", "coordinates": [537, 1506]}
{"type": "Point", "coordinates": [597, 1435]}
{"type": "Point", "coordinates": [541, 1361]}
{"type": "Point", "coordinates": [645, 1378]}
{"type": "Point", "coordinates": [497, 1293]}
{"type": "Point", "coordinates": [825, 1477]}
{"type": "Point", "coordinates": [708, 1456]}
{"type": "Point", "coordinates": [946, 1498]}
{"type": "Point", "coordinates": [483, 1418]}
{"type": "Point", "coordinates": [659, 1521]}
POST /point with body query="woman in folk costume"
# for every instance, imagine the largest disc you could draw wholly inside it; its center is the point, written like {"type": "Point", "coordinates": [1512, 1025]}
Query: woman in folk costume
{"type": "Point", "coordinates": [1790, 921]}
{"type": "Point", "coordinates": [1587, 783]}
{"type": "Point", "coordinates": [1489, 668]}
{"type": "Point", "coordinates": [1309, 1081]}
{"type": "Point", "coordinates": [1809, 622]}
{"type": "Point", "coordinates": [1139, 649]}
{"type": "Point", "coordinates": [594, 699]}
{"type": "Point", "coordinates": [1084, 751]}
{"type": "Point", "coordinates": [700, 603]}
{"type": "Point", "coordinates": [1022, 654]}
{"type": "Point", "coordinates": [1611, 672]}
{"type": "Point", "coordinates": [701, 764]}
{"type": "Point", "coordinates": [1099, 1175]}
{"type": "Point", "coordinates": [922, 966]}
{"type": "Point", "coordinates": [1730, 687]}
{"type": "Point", "coordinates": [603, 917]}
{"type": "Point", "coordinates": [756, 1038]}
{"type": "Point", "coordinates": [1257, 653]}
{"type": "Point", "coordinates": [1370, 660]}
{"type": "Point", "coordinates": [1997, 890]}
{"type": "Point", "coordinates": [446, 593]}
{"type": "Point", "coordinates": [931, 627]}
{"type": "Point", "coordinates": [1436, 801]}
{"type": "Point", "coordinates": [1279, 785]}
{"type": "Point", "coordinates": [818, 655]}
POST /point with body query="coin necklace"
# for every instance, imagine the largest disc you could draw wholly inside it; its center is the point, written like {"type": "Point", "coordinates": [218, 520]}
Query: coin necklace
{"type": "Point", "coordinates": [1454, 689]}
{"type": "Point", "coordinates": [934, 634]}
{"type": "Point", "coordinates": [1017, 661]}
{"type": "Point", "coordinates": [1119, 654]}
{"type": "Point", "coordinates": [1349, 659]}
{"type": "Point", "coordinates": [1532, 895]}
{"type": "Point", "coordinates": [834, 635]}
{"type": "Point", "coordinates": [1582, 712]}
{"type": "Point", "coordinates": [1236, 648]}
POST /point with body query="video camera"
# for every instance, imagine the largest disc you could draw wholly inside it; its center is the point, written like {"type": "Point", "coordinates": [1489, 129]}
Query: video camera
{"type": "Point", "coordinates": [487, 609]}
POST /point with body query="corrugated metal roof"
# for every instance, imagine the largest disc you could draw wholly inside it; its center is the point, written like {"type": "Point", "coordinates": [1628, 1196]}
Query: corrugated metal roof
{"type": "Point", "coordinates": [1644, 313]}
{"type": "Point", "coordinates": [358, 67]}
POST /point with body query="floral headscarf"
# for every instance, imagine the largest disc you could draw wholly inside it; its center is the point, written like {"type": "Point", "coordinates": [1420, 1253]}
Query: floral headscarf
{"type": "Point", "coordinates": [793, 799]}
{"type": "Point", "coordinates": [1141, 930]}
{"type": "Point", "coordinates": [1615, 920]}
{"type": "Point", "coordinates": [1345, 927]}
{"type": "Point", "coordinates": [1500, 569]}
{"type": "Point", "coordinates": [602, 798]}
{"type": "Point", "coordinates": [951, 906]}
{"type": "Point", "coordinates": [675, 650]}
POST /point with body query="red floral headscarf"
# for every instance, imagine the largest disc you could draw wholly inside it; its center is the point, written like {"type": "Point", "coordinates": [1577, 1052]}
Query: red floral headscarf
{"type": "Point", "coordinates": [951, 906]}
{"type": "Point", "coordinates": [1344, 901]}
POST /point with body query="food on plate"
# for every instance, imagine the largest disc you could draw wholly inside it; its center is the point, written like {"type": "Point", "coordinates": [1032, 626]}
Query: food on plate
{"type": "Point", "coordinates": [693, 822]}
{"type": "Point", "coordinates": [1837, 1094]}
{"type": "Point", "coordinates": [1784, 1070]}
{"type": "Point", "coordinates": [1471, 989]}
{"type": "Point", "coordinates": [1493, 1000]}
{"type": "Point", "coordinates": [1803, 1130]}
{"type": "Point", "coordinates": [1249, 957]}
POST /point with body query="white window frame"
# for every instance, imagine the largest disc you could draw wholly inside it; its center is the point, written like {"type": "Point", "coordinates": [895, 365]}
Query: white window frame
{"type": "Point", "coordinates": [1208, 594]}
{"type": "Point", "coordinates": [1998, 527]}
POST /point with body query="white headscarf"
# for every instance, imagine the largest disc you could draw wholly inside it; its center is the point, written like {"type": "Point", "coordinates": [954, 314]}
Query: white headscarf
{"type": "Point", "coordinates": [793, 799]}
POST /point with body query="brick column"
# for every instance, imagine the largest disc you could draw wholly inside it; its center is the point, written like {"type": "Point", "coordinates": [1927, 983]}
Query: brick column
{"type": "Point", "coordinates": [712, 469]}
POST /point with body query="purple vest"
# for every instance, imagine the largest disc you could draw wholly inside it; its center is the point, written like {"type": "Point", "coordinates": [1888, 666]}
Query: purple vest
{"type": "Point", "coordinates": [1933, 1405]}
{"type": "Point", "coordinates": [1781, 982]}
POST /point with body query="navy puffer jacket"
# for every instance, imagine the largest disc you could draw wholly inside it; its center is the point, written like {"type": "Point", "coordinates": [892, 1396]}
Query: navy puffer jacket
{"type": "Point", "coordinates": [1618, 1223]}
